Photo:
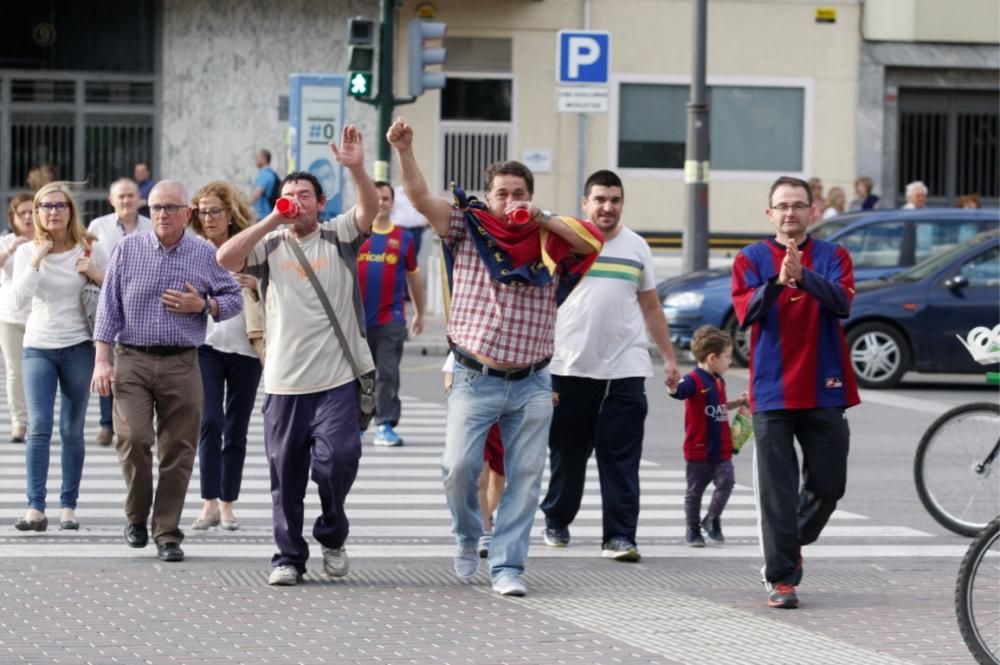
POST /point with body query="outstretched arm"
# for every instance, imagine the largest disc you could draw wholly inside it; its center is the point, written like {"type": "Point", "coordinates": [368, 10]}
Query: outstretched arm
{"type": "Point", "coordinates": [351, 156]}
{"type": "Point", "coordinates": [436, 209]}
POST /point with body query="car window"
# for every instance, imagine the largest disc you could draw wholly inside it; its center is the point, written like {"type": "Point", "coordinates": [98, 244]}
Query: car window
{"type": "Point", "coordinates": [933, 236]}
{"type": "Point", "coordinates": [875, 245]}
{"type": "Point", "coordinates": [983, 270]}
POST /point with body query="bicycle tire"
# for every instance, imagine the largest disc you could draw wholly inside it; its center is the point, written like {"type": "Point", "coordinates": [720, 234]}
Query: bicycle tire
{"type": "Point", "coordinates": [955, 494]}
{"type": "Point", "coordinates": [976, 593]}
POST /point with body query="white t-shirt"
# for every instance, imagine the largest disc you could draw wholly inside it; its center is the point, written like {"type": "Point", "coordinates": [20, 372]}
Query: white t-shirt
{"type": "Point", "coordinates": [303, 353]}
{"type": "Point", "coordinates": [600, 331]}
{"type": "Point", "coordinates": [403, 213]}
{"type": "Point", "coordinates": [53, 292]}
{"type": "Point", "coordinates": [9, 313]}
{"type": "Point", "coordinates": [109, 230]}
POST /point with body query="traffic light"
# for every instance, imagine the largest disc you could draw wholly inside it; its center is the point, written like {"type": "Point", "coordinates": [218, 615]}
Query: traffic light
{"type": "Point", "coordinates": [360, 55]}
{"type": "Point", "coordinates": [421, 56]}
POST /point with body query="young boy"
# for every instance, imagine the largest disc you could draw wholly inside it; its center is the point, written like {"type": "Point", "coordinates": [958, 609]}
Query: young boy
{"type": "Point", "coordinates": [708, 446]}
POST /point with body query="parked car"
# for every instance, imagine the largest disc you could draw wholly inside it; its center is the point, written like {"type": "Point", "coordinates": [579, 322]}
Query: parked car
{"type": "Point", "coordinates": [881, 243]}
{"type": "Point", "coordinates": [909, 321]}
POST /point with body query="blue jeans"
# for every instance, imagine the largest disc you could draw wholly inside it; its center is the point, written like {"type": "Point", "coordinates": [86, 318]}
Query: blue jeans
{"type": "Point", "coordinates": [524, 410]}
{"type": "Point", "coordinates": [44, 369]}
{"type": "Point", "coordinates": [230, 383]}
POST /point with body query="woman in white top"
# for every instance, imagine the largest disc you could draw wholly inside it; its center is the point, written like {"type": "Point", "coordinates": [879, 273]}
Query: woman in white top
{"type": "Point", "coordinates": [836, 202]}
{"type": "Point", "coordinates": [50, 273]}
{"type": "Point", "coordinates": [230, 370]}
{"type": "Point", "coordinates": [22, 230]}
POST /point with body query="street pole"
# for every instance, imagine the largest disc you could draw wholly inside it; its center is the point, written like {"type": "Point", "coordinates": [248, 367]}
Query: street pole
{"type": "Point", "coordinates": [695, 236]}
{"type": "Point", "coordinates": [385, 99]}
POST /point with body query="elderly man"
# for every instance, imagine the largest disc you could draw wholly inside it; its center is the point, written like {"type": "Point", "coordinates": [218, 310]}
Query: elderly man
{"type": "Point", "coordinates": [110, 229]}
{"type": "Point", "coordinates": [159, 290]}
{"type": "Point", "coordinates": [916, 195]}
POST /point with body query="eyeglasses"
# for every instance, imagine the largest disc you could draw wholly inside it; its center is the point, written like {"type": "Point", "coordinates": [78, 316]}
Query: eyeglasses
{"type": "Point", "coordinates": [49, 207]}
{"type": "Point", "coordinates": [211, 212]}
{"type": "Point", "coordinates": [795, 207]}
{"type": "Point", "coordinates": [169, 208]}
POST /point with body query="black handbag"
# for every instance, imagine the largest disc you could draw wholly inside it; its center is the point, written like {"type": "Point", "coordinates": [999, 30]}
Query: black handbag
{"type": "Point", "coordinates": [366, 382]}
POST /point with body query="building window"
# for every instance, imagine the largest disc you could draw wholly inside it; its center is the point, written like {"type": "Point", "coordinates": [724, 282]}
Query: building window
{"type": "Point", "coordinates": [751, 128]}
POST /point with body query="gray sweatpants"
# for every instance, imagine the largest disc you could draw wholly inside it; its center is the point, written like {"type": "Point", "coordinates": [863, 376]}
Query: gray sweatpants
{"type": "Point", "coordinates": [386, 344]}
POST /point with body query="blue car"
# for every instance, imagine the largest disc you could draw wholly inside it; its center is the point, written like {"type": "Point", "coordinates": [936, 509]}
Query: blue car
{"type": "Point", "coordinates": [881, 243]}
{"type": "Point", "coordinates": [909, 321]}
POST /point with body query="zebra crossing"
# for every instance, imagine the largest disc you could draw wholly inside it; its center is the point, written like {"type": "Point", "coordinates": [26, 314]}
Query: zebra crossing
{"type": "Point", "coordinates": [397, 508]}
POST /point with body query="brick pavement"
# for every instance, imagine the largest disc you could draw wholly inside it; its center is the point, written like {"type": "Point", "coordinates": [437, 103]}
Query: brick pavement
{"type": "Point", "coordinates": [396, 611]}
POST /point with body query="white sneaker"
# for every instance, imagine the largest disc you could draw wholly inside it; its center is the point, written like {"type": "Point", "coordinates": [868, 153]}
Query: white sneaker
{"type": "Point", "coordinates": [335, 561]}
{"type": "Point", "coordinates": [510, 585]}
{"type": "Point", "coordinates": [284, 576]}
{"type": "Point", "coordinates": [467, 562]}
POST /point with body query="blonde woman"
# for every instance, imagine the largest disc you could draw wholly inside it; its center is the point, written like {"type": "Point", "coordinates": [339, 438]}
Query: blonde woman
{"type": "Point", "coordinates": [50, 273]}
{"type": "Point", "coordinates": [230, 369]}
{"type": "Point", "coordinates": [836, 202]}
{"type": "Point", "coordinates": [22, 230]}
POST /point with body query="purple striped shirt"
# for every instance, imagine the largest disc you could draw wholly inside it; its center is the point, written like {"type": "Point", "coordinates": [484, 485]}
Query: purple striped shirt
{"type": "Point", "coordinates": [140, 270]}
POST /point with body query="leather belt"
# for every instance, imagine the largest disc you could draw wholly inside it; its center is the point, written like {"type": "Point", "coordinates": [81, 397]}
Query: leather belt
{"type": "Point", "coordinates": [506, 374]}
{"type": "Point", "coordinates": [159, 350]}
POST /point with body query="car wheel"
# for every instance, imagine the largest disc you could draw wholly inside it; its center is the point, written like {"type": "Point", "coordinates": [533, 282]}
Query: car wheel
{"type": "Point", "coordinates": [879, 355]}
{"type": "Point", "coordinates": [741, 339]}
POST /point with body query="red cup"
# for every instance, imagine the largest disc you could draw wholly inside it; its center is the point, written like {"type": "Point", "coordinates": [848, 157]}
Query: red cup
{"type": "Point", "coordinates": [287, 207]}
{"type": "Point", "coordinates": [520, 215]}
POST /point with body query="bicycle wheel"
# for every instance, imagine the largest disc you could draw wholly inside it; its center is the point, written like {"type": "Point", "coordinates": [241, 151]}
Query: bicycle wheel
{"type": "Point", "coordinates": [976, 593]}
{"type": "Point", "coordinates": [954, 465]}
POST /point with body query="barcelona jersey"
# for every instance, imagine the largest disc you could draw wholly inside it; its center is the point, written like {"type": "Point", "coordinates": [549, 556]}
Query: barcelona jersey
{"type": "Point", "coordinates": [798, 354]}
{"type": "Point", "coordinates": [383, 261]}
{"type": "Point", "coordinates": [706, 420]}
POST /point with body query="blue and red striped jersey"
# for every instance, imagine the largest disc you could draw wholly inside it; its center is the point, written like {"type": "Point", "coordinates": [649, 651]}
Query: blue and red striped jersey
{"type": "Point", "coordinates": [383, 261]}
{"type": "Point", "coordinates": [798, 354]}
{"type": "Point", "coordinates": [706, 419]}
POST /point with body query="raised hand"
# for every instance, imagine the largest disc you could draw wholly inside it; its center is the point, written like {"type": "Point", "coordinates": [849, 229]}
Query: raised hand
{"type": "Point", "coordinates": [400, 134]}
{"type": "Point", "coordinates": [351, 151]}
{"type": "Point", "coordinates": [42, 250]}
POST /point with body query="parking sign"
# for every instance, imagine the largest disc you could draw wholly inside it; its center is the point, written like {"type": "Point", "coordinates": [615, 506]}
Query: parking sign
{"type": "Point", "coordinates": [583, 56]}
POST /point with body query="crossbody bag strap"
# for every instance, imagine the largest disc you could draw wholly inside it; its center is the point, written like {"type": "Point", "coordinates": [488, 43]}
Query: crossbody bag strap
{"type": "Point", "coordinates": [330, 314]}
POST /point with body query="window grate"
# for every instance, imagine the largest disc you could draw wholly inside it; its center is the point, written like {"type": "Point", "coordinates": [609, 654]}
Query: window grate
{"type": "Point", "coordinates": [467, 153]}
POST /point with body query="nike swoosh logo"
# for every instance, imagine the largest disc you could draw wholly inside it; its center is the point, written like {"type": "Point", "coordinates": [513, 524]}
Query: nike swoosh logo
{"type": "Point", "coordinates": [794, 298]}
{"type": "Point", "coordinates": [705, 390]}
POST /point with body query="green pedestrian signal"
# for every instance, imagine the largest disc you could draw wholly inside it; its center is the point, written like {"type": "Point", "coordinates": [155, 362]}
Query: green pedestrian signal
{"type": "Point", "coordinates": [360, 84]}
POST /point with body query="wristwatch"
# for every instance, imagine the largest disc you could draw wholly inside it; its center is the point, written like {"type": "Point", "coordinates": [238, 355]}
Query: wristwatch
{"type": "Point", "coordinates": [544, 217]}
{"type": "Point", "coordinates": [207, 311]}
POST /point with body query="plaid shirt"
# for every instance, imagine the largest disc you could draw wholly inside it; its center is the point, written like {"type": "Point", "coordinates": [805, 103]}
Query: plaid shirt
{"type": "Point", "coordinates": [507, 323]}
{"type": "Point", "coordinates": [140, 270]}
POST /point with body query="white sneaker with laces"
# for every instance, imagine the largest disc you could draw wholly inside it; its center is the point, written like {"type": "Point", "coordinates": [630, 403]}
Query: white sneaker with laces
{"type": "Point", "coordinates": [484, 544]}
{"type": "Point", "coordinates": [284, 576]}
{"type": "Point", "coordinates": [335, 561]}
{"type": "Point", "coordinates": [467, 562]}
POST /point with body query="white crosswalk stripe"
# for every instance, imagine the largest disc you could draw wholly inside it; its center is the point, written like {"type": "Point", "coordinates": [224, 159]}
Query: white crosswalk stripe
{"type": "Point", "coordinates": [397, 508]}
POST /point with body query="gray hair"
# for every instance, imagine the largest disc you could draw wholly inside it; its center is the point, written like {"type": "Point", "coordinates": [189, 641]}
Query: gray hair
{"type": "Point", "coordinates": [914, 187]}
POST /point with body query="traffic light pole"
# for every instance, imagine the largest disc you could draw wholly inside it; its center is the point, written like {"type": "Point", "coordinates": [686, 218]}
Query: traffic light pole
{"type": "Point", "coordinates": [385, 101]}
{"type": "Point", "coordinates": [695, 236]}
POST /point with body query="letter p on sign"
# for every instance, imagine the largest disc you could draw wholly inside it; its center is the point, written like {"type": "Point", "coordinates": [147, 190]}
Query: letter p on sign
{"type": "Point", "coordinates": [583, 56]}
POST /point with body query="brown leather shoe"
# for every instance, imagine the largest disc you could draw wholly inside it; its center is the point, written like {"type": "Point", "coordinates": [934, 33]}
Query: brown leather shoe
{"type": "Point", "coordinates": [104, 437]}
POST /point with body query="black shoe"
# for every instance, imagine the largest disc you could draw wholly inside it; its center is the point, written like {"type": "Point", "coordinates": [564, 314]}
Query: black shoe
{"type": "Point", "coordinates": [169, 552]}
{"type": "Point", "coordinates": [713, 528]}
{"type": "Point", "coordinates": [620, 549]}
{"type": "Point", "coordinates": [32, 525]}
{"type": "Point", "coordinates": [692, 537]}
{"type": "Point", "coordinates": [555, 537]}
{"type": "Point", "coordinates": [136, 535]}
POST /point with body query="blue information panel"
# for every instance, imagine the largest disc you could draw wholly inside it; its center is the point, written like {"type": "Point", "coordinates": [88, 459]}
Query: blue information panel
{"type": "Point", "coordinates": [316, 117]}
{"type": "Point", "coordinates": [583, 56]}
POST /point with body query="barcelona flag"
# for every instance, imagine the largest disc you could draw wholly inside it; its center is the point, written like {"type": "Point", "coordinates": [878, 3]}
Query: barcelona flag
{"type": "Point", "coordinates": [525, 254]}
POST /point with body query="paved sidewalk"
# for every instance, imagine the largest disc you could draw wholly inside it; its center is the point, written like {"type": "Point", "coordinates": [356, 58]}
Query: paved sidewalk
{"type": "Point", "coordinates": [209, 610]}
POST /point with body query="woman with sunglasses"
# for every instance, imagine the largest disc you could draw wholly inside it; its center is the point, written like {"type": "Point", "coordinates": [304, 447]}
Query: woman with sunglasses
{"type": "Point", "coordinates": [49, 274]}
{"type": "Point", "coordinates": [12, 320]}
{"type": "Point", "coordinates": [230, 369]}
